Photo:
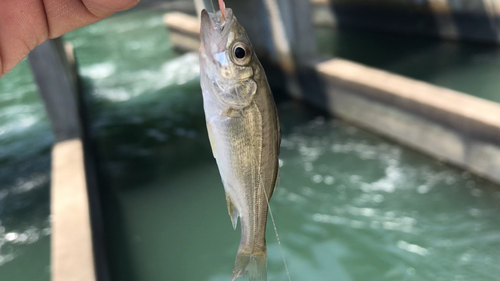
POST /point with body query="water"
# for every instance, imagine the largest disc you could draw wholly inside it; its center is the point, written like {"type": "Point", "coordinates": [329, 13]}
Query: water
{"type": "Point", "coordinates": [25, 141]}
{"type": "Point", "coordinates": [349, 204]}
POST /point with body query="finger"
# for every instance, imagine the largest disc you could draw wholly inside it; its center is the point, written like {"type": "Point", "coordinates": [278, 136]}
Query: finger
{"type": "Point", "coordinates": [22, 26]}
{"type": "Point", "coordinates": [26, 23]}
{"type": "Point", "coordinates": [66, 15]}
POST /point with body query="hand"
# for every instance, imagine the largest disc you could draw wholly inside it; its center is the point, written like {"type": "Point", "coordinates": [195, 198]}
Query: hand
{"type": "Point", "coordinates": [24, 24]}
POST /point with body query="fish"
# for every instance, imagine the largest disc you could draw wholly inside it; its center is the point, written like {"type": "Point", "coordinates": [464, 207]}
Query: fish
{"type": "Point", "coordinates": [244, 132]}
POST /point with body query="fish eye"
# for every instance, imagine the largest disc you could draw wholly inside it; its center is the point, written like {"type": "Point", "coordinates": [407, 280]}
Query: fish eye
{"type": "Point", "coordinates": [241, 54]}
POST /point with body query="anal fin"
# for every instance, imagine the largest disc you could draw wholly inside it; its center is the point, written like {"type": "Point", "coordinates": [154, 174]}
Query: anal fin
{"type": "Point", "coordinates": [276, 179]}
{"type": "Point", "coordinates": [233, 212]}
{"type": "Point", "coordinates": [277, 183]}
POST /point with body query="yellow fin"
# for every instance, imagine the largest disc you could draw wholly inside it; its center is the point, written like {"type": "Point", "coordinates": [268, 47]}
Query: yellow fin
{"type": "Point", "coordinates": [233, 212]}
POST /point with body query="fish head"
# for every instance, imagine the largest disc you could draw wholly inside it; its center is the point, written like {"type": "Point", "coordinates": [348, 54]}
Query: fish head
{"type": "Point", "coordinates": [227, 60]}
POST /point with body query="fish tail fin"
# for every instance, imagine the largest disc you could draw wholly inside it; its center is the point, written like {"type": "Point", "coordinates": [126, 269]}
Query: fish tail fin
{"type": "Point", "coordinates": [253, 264]}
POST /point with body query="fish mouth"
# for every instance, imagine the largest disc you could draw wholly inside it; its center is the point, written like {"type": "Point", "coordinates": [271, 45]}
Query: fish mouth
{"type": "Point", "coordinates": [215, 20]}
{"type": "Point", "coordinates": [215, 30]}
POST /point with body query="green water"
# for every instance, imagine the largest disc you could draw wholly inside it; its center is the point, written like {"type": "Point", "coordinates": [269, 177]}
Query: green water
{"type": "Point", "coordinates": [25, 140]}
{"type": "Point", "coordinates": [350, 205]}
{"type": "Point", "coordinates": [467, 67]}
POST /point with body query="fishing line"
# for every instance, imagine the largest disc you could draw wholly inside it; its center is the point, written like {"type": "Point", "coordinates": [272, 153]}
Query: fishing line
{"type": "Point", "coordinates": [277, 236]}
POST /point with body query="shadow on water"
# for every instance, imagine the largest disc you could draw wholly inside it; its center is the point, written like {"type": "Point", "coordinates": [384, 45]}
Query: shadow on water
{"type": "Point", "coordinates": [25, 182]}
{"type": "Point", "coordinates": [374, 48]}
{"type": "Point", "coordinates": [139, 142]}
{"type": "Point", "coordinates": [384, 17]}
{"type": "Point", "coordinates": [469, 21]}
{"type": "Point", "coordinates": [90, 159]}
{"type": "Point", "coordinates": [483, 25]}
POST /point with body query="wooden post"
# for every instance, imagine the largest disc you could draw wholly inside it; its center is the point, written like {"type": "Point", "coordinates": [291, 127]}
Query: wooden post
{"type": "Point", "coordinates": [57, 88]}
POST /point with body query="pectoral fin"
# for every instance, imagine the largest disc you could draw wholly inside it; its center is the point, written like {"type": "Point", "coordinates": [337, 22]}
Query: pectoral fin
{"type": "Point", "coordinates": [233, 212]}
{"type": "Point", "coordinates": [211, 139]}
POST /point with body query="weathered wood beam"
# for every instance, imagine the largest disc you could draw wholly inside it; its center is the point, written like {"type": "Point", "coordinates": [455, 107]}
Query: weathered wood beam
{"type": "Point", "coordinates": [55, 80]}
{"type": "Point", "coordinates": [72, 255]}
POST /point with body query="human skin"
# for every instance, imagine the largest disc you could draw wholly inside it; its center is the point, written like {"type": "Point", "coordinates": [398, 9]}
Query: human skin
{"type": "Point", "coordinates": [24, 24]}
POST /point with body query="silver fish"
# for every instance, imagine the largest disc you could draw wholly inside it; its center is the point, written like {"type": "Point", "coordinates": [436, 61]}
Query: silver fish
{"type": "Point", "coordinates": [244, 132]}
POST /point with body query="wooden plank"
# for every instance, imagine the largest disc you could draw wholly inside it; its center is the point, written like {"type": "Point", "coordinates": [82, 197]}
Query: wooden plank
{"type": "Point", "coordinates": [183, 23]}
{"type": "Point", "coordinates": [71, 254]}
{"type": "Point", "coordinates": [184, 31]}
{"type": "Point", "coordinates": [407, 91]}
